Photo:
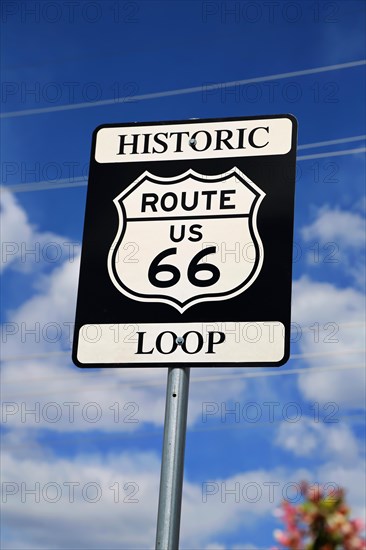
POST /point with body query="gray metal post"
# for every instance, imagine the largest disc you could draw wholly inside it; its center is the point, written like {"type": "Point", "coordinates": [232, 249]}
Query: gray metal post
{"type": "Point", "coordinates": [172, 465]}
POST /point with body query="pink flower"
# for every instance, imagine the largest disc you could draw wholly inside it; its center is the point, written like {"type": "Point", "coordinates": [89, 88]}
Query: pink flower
{"type": "Point", "coordinates": [358, 525]}
{"type": "Point", "coordinates": [280, 537]}
{"type": "Point", "coordinates": [319, 513]}
{"type": "Point", "coordinates": [314, 493]}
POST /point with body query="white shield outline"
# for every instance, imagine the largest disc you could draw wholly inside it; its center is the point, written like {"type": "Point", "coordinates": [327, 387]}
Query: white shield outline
{"type": "Point", "coordinates": [183, 306]}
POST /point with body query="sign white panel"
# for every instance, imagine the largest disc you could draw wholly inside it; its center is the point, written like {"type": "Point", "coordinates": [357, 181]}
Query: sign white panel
{"type": "Point", "coordinates": [217, 342]}
{"type": "Point", "coordinates": [196, 140]}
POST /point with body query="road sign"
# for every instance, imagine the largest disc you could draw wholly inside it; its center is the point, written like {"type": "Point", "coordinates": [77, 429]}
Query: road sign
{"type": "Point", "coordinates": [187, 247]}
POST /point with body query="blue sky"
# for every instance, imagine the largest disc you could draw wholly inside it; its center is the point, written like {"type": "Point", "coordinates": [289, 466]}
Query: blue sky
{"type": "Point", "coordinates": [100, 432]}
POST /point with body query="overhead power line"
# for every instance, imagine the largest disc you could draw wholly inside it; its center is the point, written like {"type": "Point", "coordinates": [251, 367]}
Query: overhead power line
{"type": "Point", "coordinates": [47, 185]}
{"type": "Point", "coordinates": [281, 372]}
{"type": "Point", "coordinates": [331, 142]}
{"type": "Point", "coordinates": [205, 87]}
{"type": "Point", "coordinates": [333, 154]}
{"type": "Point", "coordinates": [213, 423]}
{"type": "Point", "coordinates": [67, 353]}
{"type": "Point", "coordinates": [255, 371]}
{"type": "Point", "coordinates": [82, 181]}
{"type": "Point", "coordinates": [304, 329]}
{"type": "Point", "coordinates": [98, 386]}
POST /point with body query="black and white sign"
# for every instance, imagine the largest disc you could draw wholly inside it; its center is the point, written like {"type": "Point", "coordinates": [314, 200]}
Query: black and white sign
{"type": "Point", "coordinates": [187, 247]}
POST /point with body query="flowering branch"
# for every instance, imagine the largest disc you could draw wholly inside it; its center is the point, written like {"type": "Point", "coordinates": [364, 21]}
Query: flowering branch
{"type": "Point", "coordinates": [320, 522]}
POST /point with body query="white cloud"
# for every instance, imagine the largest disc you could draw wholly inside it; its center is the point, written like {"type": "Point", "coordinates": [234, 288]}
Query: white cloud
{"type": "Point", "coordinates": [23, 246]}
{"type": "Point", "coordinates": [309, 438]}
{"type": "Point", "coordinates": [324, 302]}
{"type": "Point", "coordinates": [110, 501]}
{"type": "Point", "coordinates": [114, 520]}
{"type": "Point", "coordinates": [334, 225]}
{"type": "Point", "coordinates": [97, 504]}
{"type": "Point", "coordinates": [338, 241]}
{"type": "Point", "coordinates": [326, 309]}
{"type": "Point", "coordinates": [340, 454]}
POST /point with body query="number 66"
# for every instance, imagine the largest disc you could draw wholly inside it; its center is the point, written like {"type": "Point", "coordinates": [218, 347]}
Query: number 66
{"type": "Point", "coordinates": [193, 269]}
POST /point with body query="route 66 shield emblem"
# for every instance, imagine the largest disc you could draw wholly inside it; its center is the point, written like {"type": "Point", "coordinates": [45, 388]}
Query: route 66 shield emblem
{"type": "Point", "coordinates": [185, 229]}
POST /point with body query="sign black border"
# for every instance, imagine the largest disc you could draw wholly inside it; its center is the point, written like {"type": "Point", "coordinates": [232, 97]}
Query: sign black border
{"type": "Point", "coordinates": [292, 159]}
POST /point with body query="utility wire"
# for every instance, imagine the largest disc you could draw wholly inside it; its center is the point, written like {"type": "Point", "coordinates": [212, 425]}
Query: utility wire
{"type": "Point", "coordinates": [333, 154]}
{"type": "Point", "coordinates": [100, 387]}
{"type": "Point", "coordinates": [54, 354]}
{"type": "Point", "coordinates": [331, 142]}
{"type": "Point", "coordinates": [182, 91]}
{"type": "Point", "coordinates": [303, 330]}
{"type": "Point", "coordinates": [82, 181]}
{"type": "Point", "coordinates": [47, 185]}
{"type": "Point", "coordinates": [217, 425]}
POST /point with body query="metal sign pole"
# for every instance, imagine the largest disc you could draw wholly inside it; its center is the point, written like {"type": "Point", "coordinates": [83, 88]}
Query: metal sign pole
{"type": "Point", "coordinates": [171, 477]}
